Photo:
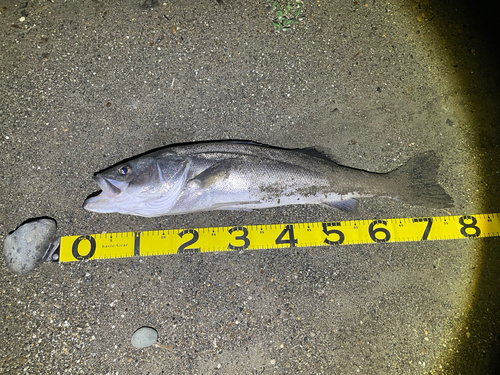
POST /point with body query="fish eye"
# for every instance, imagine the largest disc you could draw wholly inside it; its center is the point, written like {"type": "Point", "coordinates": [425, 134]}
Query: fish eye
{"type": "Point", "coordinates": [125, 170]}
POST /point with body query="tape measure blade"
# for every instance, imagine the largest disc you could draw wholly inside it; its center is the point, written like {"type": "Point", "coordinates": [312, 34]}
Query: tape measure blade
{"type": "Point", "coordinates": [276, 236]}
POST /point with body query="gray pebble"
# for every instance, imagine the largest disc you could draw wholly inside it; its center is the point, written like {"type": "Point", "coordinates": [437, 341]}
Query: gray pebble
{"type": "Point", "coordinates": [148, 4]}
{"type": "Point", "coordinates": [26, 246]}
{"type": "Point", "coordinates": [144, 337]}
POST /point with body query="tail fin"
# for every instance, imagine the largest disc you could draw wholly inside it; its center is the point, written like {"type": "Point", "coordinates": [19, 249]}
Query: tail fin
{"type": "Point", "coordinates": [418, 184]}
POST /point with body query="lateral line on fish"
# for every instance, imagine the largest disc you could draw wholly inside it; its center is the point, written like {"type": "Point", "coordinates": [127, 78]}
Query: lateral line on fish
{"type": "Point", "coordinates": [276, 236]}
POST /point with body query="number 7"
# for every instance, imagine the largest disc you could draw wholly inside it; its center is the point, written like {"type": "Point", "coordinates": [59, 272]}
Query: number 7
{"type": "Point", "coordinates": [427, 227]}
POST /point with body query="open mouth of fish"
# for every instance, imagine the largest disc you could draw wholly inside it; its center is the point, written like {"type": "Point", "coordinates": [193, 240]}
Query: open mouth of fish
{"type": "Point", "coordinates": [110, 187]}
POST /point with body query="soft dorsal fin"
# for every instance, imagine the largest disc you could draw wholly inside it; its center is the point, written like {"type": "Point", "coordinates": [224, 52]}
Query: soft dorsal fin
{"type": "Point", "coordinates": [312, 151]}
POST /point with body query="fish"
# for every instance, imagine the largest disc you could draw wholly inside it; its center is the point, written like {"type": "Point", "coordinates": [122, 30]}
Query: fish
{"type": "Point", "coordinates": [234, 175]}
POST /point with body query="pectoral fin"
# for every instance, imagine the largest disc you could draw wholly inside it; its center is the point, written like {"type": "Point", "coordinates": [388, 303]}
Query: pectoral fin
{"type": "Point", "coordinates": [216, 174]}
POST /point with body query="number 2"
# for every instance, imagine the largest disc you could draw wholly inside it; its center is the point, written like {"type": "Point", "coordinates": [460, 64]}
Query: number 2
{"type": "Point", "coordinates": [182, 249]}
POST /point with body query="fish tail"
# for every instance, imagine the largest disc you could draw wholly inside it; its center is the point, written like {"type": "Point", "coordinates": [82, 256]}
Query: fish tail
{"type": "Point", "coordinates": [417, 184]}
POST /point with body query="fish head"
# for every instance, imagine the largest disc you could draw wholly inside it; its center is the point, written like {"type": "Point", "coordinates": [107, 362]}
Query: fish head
{"type": "Point", "coordinates": [136, 186]}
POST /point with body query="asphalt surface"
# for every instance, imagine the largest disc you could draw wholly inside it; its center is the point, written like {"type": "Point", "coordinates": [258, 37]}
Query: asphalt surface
{"type": "Point", "coordinates": [87, 84]}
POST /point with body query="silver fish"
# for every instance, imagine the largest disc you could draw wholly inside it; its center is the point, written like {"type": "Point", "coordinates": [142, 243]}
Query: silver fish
{"type": "Point", "coordinates": [244, 176]}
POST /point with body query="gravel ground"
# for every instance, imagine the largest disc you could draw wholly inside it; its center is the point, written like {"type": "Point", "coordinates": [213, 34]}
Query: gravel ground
{"type": "Point", "coordinates": [86, 84]}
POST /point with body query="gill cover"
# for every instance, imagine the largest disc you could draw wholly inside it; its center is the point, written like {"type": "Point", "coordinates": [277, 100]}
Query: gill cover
{"type": "Point", "coordinates": [150, 187]}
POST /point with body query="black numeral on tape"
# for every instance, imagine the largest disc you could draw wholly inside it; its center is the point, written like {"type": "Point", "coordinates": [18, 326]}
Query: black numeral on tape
{"type": "Point", "coordinates": [74, 248]}
{"type": "Point", "coordinates": [466, 226]}
{"type": "Point", "coordinates": [333, 231]}
{"type": "Point", "coordinates": [373, 231]}
{"type": "Point", "coordinates": [427, 227]}
{"type": "Point", "coordinates": [243, 237]}
{"type": "Point", "coordinates": [183, 248]}
{"type": "Point", "coordinates": [281, 240]}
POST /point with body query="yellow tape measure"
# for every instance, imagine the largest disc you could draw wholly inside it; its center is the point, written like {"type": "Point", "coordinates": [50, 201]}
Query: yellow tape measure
{"type": "Point", "coordinates": [275, 236]}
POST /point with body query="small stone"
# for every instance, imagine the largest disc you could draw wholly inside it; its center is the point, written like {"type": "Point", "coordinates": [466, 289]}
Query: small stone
{"type": "Point", "coordinates": [26, 246]}
{"type": "Point", "coordinates": [148, 4]}
{"type": "Point", "coordinates": [144, 337]}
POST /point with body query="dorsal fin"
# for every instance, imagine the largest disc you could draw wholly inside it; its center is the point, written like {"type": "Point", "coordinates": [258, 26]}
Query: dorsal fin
{"type": "Point", "coordinates": [311, 151]}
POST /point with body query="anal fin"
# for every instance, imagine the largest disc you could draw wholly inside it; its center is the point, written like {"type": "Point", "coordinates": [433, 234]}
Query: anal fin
{"type": "Point", "coordinates": [344, 205]}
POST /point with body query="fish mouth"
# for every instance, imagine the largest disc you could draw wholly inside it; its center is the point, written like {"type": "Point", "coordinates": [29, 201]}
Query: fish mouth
{"type": "Point", "coordinates": [110, 187]}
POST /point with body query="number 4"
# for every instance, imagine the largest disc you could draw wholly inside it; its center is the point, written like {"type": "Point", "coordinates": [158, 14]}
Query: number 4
{"type": "Point", "coordinates": [291, 238]}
